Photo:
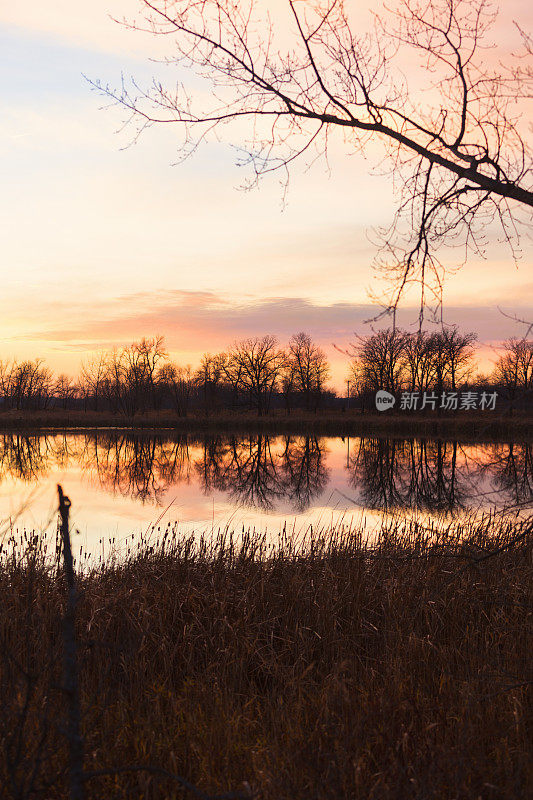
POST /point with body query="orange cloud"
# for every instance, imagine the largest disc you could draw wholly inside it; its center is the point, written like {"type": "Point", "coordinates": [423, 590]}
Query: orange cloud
{"type": "Point", "coordinates": [198, 322]}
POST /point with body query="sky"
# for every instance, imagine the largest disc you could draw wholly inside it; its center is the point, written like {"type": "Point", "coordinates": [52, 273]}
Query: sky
{"type": "Point", "coordinates": [105, 241]}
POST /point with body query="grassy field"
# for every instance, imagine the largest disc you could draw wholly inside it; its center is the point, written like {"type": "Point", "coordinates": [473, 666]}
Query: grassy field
{"type": "Point", "coordinates": [335, 669]}
{"type": "Point", "coordinates": [477, 426]}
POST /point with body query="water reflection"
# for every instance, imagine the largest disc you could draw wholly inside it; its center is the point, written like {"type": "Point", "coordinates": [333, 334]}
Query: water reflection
{"type": "Point", "coordinates": [512, 469]}
{"type": "Point", "coordinates": [140, 467]}
{"type": "Point", "coordinates": [287, 473]}
{"type": "Point", "coordinates": [304, 467]}
{"type": "Point", "coordinates": [417, 474]}
{"type": "Point", "coordinates": [255, 473]}
{"type": "Point", "coordinates": [25, 457]}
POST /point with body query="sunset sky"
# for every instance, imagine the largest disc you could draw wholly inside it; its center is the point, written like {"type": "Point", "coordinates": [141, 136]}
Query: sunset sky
{"type": "Point", "coordinates": [104, 244]}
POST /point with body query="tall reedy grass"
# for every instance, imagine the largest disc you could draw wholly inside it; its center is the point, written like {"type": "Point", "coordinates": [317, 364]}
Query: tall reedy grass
{"type": "Point", "coordinates": [332, 667]}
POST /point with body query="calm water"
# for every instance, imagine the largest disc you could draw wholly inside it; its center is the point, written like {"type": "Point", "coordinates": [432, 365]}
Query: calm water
{"type": "Point", "coordinates": [121, 484]}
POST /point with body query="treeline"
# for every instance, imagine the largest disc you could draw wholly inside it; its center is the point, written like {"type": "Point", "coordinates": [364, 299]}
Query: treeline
{"type": "Point", "coordinates": [253, 374]}
{"type": "Point", "coordinates": [442, 361]}
{"type": "Point", "coordinates": [257, 374]}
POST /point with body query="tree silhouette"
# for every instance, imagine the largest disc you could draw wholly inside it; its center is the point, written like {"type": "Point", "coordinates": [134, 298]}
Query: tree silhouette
{"type": "Point", "coordinates": [254, 367]}
{"type": "Point", "coordinates": [307, 368]}
{"type": "Point", "coordinates": [514, 368]}
{"type": "Point", "coordinates": [456, 146]}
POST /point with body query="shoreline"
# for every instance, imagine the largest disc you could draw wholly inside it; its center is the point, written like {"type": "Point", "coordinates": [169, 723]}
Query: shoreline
{"type": "Point", "coordinates": [481, 427]}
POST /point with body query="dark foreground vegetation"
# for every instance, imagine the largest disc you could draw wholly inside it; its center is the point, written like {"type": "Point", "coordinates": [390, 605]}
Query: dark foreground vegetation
{"type": "Point", "coordinates": [327, 669]}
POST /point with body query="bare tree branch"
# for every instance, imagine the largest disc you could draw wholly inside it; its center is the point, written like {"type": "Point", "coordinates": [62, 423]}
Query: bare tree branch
{"type": "Point", "coordinates": [457, 149]}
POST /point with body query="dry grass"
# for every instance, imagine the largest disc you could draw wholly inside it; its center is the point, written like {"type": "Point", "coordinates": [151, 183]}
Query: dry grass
{"type": "Point", "coordinates": [398, 670]}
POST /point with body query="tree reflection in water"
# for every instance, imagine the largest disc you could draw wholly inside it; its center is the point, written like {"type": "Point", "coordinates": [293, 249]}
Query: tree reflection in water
{"type": "Point", "coordinates": [420, 474]}
{"type": "Point", "coordinates": [305, 473]}
{"type": "Point", "coordinates": [511, 467]}
{"type": "Point", "coordinates": [27, 458]}
{"type": "Point", "coordinates": [141, 467]}
{"type": "Point", "coordinates": [255, 473]}
{"type": "Point", "coordinates": [246, 469]}
{"type": "Point", "coordinates": [261, 471]}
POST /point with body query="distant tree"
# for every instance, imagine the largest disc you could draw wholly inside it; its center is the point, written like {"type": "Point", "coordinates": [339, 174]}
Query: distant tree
{"type": "Point", "coordinates": [419, 364]}
{"type": "Point", "coordinates": [450, 354]}
{"type": "Point", "coordinates": [514, 368]}
{"type": "Point", "coordinates": [114, 387]}
{"type": "Point", "coordinates": [482, 380]}
{"type": "Point", "coordinates": [378, 361]}
{"type": "Point", "coordinates": [93, 374]}
{"type": "Point", "coordinates": [26, 385]}
{"type": "Point", "coordinates": [254, 367]}
{"type": "Point", "coordinates": [209, 377]}
{"type": "Point", "coordinates": [288, 383]}
{"type": "Point", "coordinates": [394, 359]}
{"type": "Point", "coordinates": [459, 354]}
{"type": "Point", "coordinates": [140, 362]}
{"type": "Point", "coordinates": [308, 367]}
{"type": "Point", "coordinates": [64, 390]}
{"type": "Point", "coordinates": [232, 371]}
{"type": "Point", "coordinates": [130, 376]}
{"type": "Point", "coordinates": [5, 369]}
{"type": "Point", "coordinates": [177, 383]}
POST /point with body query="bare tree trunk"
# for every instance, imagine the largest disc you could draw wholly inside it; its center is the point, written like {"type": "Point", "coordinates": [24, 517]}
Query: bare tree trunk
{"type": "Point", "coordinates": [70, 677]}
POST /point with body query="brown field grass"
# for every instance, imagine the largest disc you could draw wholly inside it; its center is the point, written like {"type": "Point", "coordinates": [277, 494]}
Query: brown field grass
{"type": "Point", "coordinates": [478, 426]}
{"type": "Point", "coordinates": [398, 669]}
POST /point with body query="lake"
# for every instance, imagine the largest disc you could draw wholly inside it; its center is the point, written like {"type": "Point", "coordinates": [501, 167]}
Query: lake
{"type": "Point", "coordinates": [122, 484]}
